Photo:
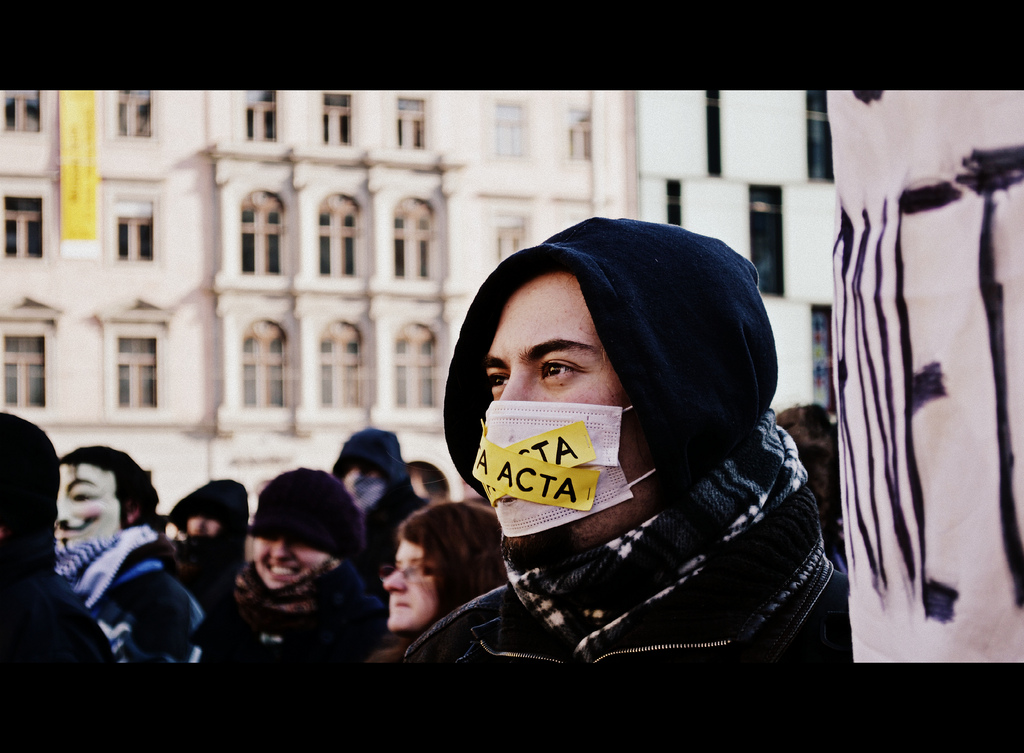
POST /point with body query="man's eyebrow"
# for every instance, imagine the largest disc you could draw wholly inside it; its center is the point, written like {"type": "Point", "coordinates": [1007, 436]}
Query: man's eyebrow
{"type": "Point", "coordinates": [540, 350]}
{"type": "Point", "coordinates": [493, 362]}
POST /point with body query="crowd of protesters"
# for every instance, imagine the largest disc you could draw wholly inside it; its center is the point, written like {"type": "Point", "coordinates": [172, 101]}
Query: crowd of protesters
{"type": "Point", "coordinates": [671, 518]}
{"type": "Point", "coordinates": [88, 572]}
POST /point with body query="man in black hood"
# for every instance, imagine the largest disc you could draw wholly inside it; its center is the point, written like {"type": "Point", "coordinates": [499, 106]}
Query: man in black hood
{"type": "Point", "coordinates": [371, 467]}
{"type": "Point", "coordinates": [213, 522]}
{"type": "Point", "coordinates": [650, 507]}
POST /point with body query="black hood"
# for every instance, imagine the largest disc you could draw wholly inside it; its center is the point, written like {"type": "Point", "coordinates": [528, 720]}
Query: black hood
{"type": "Point", "coordinates": [223, 500]}
{"type": "Point", "coordinates": [683, 324]}
{"type": "Point", "coordinates": [378, 447]}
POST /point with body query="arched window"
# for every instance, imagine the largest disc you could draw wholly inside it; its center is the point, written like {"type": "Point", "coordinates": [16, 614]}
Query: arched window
{"type": "Point", "coordinates": [340, 366]}
{"type": "Point", "coordinates": [263, 362]}
{"type": "Point", "coordinates": [415, 359]}
{"type": "Point", "coordinates": [262, 231]}
{"type": "Point", "coordinates": [338, 231]}
{"type": "Point", "coordinates": [413, 239]}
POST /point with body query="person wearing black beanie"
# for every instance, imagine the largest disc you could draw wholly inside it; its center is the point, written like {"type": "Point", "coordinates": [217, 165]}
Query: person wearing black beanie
{"type": "Point", "coordinates": [41, 619]}
{"type": "Point", "coordinates": [300, 600]}
{"type": "Point", "coordinates": [651, 509]}
{"type": "Point", "coordinates": [212, 523]}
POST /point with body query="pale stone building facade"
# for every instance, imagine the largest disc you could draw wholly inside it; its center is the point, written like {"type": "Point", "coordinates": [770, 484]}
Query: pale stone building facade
{"type": "Point", "coordinates": [266, 272]}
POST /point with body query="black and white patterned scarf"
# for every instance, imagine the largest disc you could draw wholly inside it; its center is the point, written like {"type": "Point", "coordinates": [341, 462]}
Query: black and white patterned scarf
{"type": "Point", "coordinates": [591, 599]}
{"type": "Point", "coordinates": [90, 565]}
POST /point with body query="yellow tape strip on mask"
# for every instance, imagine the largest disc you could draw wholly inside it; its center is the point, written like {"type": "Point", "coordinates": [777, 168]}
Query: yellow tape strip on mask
{"type": "Point", "coordinates": [516, 470]}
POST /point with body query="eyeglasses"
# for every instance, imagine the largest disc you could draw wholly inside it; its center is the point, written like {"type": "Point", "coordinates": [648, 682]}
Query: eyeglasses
{"type": "Point", "coordinates": [411, 574]}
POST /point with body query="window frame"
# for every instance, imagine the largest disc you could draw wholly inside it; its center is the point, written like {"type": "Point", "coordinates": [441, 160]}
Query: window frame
{"type": "Point", "coordinates": [22, 362]}
{"type": "Point", "coordinates": [263, 362]}
{"type": "Point", "coordinates": [337, 120]}
{"type": "Point", "coordinates": [411, 213]}
{"type": "Point", "coordinates": [135, 364]}
{"type": "Point", "coordinates": [130, 103]}
{"type": "Point", "coordinates": [819, 137]}
{"type": "Point", "coordinates": [259, 113]}
{"type": "Point", "coordinates": [262, 204]}
{"type": "Point", "coordinates": [22, 219]}
{"type": "Point", "coordinates": [341, 368]}
{"type": "Point", "coordinates": [415, 369]}
{"type": "Point", "coordinates": [510, 234]}
{"type": "Point", "coordinates": [580, 134]}
{"type": "Point", "coordinates": [713, 108]}
{"type": "Point", "coordinates": [766, 238]}
{"type": "Point", "coordinates": [20, 108]}
{"type": "Point", "coordinates": [125, 215]}
{"type": "Point", "coordinates": [412, 127]}
{"type": "Point", "coordinates": [343, 240]}
{"type": "Point", "coordinates": [509, 133]}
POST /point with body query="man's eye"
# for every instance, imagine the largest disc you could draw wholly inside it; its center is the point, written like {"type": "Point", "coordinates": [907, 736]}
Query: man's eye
{"type": "Point", "coordinates": [555, 370]}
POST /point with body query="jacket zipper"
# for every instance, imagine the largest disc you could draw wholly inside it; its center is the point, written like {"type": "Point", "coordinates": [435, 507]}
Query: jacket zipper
{"type": "Point", "coordinates": [637, 650]}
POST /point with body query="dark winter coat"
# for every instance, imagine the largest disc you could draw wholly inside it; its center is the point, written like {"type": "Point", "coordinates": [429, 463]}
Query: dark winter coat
{"type": "Point", "coordinates": [350, 625]}
{"type": "Point", "coordinates": [41, 618]}
{"type": "Point", "coordinates": [769, 595]}
{"type": "Point", "coordinates": [684, 326]}
{"type": "Point", "coordinates": [381, 448]}
{"type": "Point", "coordinates": [147, 613]}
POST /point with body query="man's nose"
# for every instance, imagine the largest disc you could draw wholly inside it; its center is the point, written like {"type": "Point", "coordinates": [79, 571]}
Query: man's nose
{"type": "Point", "coordinates": [519, 386]}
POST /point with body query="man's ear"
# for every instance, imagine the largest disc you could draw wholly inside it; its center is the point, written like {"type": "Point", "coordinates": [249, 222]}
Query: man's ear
{"type": "Point", "coordinates": [130, 513]}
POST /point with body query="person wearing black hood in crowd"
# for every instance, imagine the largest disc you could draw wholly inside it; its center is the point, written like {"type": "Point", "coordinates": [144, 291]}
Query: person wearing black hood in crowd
{"type": "Point", "coordinates": [213, 522]}
{"type": "Point", "coordinates": [651, 510]}
{"type": "Point", "coordinates": [41, 618]}
{"type": "Point", "coordinates": [372, 469]}
{"type": "Point", "coordinates": [118, 560]}
{"type": "Point", "coordinates": [300, 600]}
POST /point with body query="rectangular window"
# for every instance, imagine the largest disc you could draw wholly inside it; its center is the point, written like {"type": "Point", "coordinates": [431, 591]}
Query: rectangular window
{"type": "Point", "coordinates": [511, 236]}
{"type": "Point", "coordinates": [674, 192]}
{"type": "Point", "coordinates": [136, 372]}
{"type": "Point", "coordinates": [260, 115]}
{"type": "Point", "coordinates": [819, 137]}
{"type": "Point", "coordinates": [134, 230]}
{"type": "Point", "coordinates": [508, 130]}
{"type": "Point", "coordinates": [579, 134]}
{"type": "Point", "coordinates": [337, 118]}
{"type": "Point", "coordinates": [821, 353]}
{"type": "Point", "coordinates": [410, 124]}
{"type": "Point", "coordinates": [714, 132]}
{"type": "Point", "coordinates": [24, 372]}
{"type": "Point", "coordinates": [21, 109]}
{"type": "Point", "coordinates": [133, 113]}
{"type": "Point", "coordinates": [766, 237]}
{"type": "Point", "coordinates": [24, 227]}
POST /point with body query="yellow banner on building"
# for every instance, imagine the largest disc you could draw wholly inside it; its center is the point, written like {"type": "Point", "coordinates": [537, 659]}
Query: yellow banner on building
{"type": "Point", "coordinates": [78, 174]}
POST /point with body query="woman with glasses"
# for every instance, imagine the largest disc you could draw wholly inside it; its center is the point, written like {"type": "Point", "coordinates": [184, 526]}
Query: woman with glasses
{"type": "Point", "coordinates": [448, 554]}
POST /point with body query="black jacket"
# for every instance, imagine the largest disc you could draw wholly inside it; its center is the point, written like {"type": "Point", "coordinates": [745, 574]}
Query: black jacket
{"type": "Point", "coordinates": [381, 448]}
{"type": "Point", "coordinates": [41, 618]}
{"type": "Point", "coordinates": [768, 595]}
{"type": "Point", "coordinates": [683, 324]}
{"type": "Point", "coordinates": [351, 624]}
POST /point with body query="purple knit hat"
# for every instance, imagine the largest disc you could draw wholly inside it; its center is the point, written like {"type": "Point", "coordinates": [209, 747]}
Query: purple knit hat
{"type": "Point", "coordinates": [314, 507]}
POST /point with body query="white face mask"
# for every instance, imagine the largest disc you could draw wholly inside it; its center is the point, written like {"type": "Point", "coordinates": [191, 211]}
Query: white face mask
{"type": "Point", "coordinates": [549, 470]}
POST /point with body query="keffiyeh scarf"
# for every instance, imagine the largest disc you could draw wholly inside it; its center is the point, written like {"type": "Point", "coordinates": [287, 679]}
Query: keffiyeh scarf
{"type": "Point", "coordinates": [591, 599]}
{"type": "Point", "coordinates": [90, 566]}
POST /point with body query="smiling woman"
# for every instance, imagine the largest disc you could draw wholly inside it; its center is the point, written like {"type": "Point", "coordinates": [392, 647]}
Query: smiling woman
{"type": "Point", "coordinates": [300, 600]}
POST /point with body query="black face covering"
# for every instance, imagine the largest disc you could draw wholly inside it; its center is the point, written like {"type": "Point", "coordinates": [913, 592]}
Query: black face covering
{"type": "Point", "coordinates": [202, 554]}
